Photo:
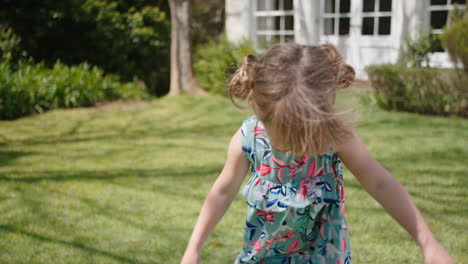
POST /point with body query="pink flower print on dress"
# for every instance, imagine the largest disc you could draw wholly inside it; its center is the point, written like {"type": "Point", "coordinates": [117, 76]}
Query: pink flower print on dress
{"type": "Point", "coordinates": [303, 189]}
{"type": "Point", "coordinates": [268, 216]}
{"type": "Point", "coordinates": [268, 242]}
{"type": "Point", "coordinates": [284, 237]}
{"type": "Point", "coordinates": [279, 162]}
{"type": "Point", "coordinates": [257, 181]}
{"type": "Point", "coordinates": [341, 192]}
{"type": "Point", "coordinates": [281, 165]}
{"type": "Point", "coordinates": [312, 170]}
{"type": "Point", "coordinates": [258, 131]}
{"type": "Point", "coordinates": [300, 163]}
{"type": "Point", "coordinates": [257, 245]}
{"type": "Point", "coordinates": [293, 246]}
{"type": "Point", "coordinates": [264, 169]}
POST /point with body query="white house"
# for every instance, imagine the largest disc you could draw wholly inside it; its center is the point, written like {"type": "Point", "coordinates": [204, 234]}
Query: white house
{"type": "Point", "coordinates": [365, 31]}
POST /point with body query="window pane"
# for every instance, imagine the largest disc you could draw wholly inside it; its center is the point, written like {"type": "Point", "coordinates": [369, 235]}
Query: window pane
{"type": "Point", "coordinates": [384, 25]}
{"type": "Point", "coordinates": [385, 5]}
{"type": "Point", "coordinates": [261, 5]}
{"type": "Point", "coordinates": [289, 38]}
{"type": "Point", "coordinates": [329, 6]}
{"type": "Point", "coordinates": [345, 6]}
{"type": "Point", "coordinates": [288, 5]}
{"type": "Point", "coordinates": [460, 2]}
{"type": "Point", "coordinates": [289, 23]}
{"type": "Point", "coordinates": [329, 26]}
{"type": "Point", "coordinates": [276, 5]}
{"type": "Point", "coordinates": [278, 22]}
{"type": "Point", "coordinates": [368, 26]}
{"type": "Point", "coordinates": [262, 42]}
{"type": "Point", "coordinates": [265, 23]}
{"type": "Point", "coordinates": [265, 42]}
{"type": "Point", "coordinates": [368, 6]}
{"type": "Point", "coordinates": [275, 39]}
{"type": "Point", "coordinates": [265, 5]}
{"type": "Point", "coordinates": [438, 2]}
{"type": "Point", "coordinates": [438, 19]}
{"type": "Point", "coordinates": [343, 26]}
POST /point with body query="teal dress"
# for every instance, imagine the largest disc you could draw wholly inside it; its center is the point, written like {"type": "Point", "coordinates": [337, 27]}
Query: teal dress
{"type": "Point", "coordinates": [295, 205]}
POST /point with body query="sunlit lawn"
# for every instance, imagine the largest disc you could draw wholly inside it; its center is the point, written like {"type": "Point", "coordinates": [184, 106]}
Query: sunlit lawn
{"type": "Point", "coordinates": [124, 183]}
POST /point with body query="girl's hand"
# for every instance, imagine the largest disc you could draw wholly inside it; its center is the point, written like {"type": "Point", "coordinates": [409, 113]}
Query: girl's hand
{"type": "Point", "coordinates": [436, 254]}
{"type": "Point", "coordinates": [191, 257]}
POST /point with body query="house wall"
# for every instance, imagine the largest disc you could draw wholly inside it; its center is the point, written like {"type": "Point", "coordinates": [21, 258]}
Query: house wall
{"type": "Point", "coordinates": [307, 18]}
{"type": "Point", "coordinates": [238, 20]}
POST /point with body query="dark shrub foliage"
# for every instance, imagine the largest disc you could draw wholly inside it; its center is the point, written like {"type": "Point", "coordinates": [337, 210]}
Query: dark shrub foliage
{"type": "Point", "coordinates": [128, 38]}
{"type": "Point", "coordinates": [421, 90]}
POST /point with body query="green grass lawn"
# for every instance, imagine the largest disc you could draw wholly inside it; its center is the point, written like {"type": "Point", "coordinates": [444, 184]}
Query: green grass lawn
{"type": "Point", "coordinates": [124, 183]}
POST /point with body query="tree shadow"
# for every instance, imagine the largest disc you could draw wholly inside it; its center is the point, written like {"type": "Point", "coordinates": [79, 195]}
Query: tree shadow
{"type": "Point", "coordinates": [7, 157]}
{"type": "Point", "coordinates": [124, 133]}
{"type": "Point", "coordinates": [75, 245]}
{"type": "Point", "coordinates": [106, 175]}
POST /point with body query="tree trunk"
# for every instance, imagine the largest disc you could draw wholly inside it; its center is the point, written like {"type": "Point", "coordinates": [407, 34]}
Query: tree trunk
{"type": "Point", "coordinates": [182, 77]}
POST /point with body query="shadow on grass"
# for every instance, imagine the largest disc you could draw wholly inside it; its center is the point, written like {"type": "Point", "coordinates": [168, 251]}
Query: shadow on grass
{"type": "Point", "coordinates": [93, 175]}
{"type": "Point", "coordinates": [215, 130]}
{"type": "Point", "coordinates": [131, 127]}
{"type": "Point", "coordinates": [8, 156]}
{"type": "Point", "coordinates": [76, 245]}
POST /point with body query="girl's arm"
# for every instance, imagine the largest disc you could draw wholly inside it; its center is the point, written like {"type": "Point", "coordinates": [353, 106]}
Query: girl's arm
{"type": "Point", "coordinates": [219, 198]}
{"type": "Point", "coordinates": [386, 190]}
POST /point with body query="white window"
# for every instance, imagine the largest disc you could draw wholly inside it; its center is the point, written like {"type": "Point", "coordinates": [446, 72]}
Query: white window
{"type": "Point", "coordinates": [336, 17]}
{"type": "Point", "coordinates": [439, 17]}
{"type": "Point", "coordinates": [274, 22]}
{"type": "Point", "coordinates": [376, 17]}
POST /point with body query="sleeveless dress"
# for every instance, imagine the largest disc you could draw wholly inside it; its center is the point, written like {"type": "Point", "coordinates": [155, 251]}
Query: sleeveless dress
{"type": "Point", "coordinates": [295, 211]}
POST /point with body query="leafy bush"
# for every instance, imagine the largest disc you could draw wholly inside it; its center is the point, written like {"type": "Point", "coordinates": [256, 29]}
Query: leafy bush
{"type": "Point", "coordinates": [128, 38]}
{"type": "Point", "coordinates": [215, 62]}
{"type": "Point", "coordinates": [422, 90]}
{"type": "Point", "coordinates": [9, 45]}
{"type": "Point", "coordinates": [455, 39]}
{"type": "Point", "coordinates": [34, 88]}
{"type": "Point", "coordinates": [415, 52]}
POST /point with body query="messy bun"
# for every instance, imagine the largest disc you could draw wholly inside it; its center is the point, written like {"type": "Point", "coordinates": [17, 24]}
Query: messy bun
{"type": "Point", "coordinates": [346, 76]}
{"type": "Point", "coordinates": [345, 73]}
{"type": "Point", "coordinates": [241, 82]}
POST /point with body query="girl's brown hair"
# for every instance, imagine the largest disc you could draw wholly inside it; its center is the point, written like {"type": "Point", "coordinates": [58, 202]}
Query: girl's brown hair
{"type": "Point", "coordinates": [292, 90]}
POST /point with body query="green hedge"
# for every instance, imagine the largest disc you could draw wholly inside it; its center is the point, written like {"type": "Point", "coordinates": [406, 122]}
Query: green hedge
{"type": "Point", "coordinates": [421, 90]}
{"type": "Point", "coordinates": [215, 62]}
{"type": "Point", "coordinates": [34, 88]}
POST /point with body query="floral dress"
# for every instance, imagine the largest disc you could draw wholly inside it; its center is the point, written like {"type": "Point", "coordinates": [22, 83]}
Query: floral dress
{"type": "Point", "coordinates": [295, 205]}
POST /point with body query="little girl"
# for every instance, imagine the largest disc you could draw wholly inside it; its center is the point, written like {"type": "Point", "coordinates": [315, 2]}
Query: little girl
{"type": "Point", "coordinates": [294, 145]}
